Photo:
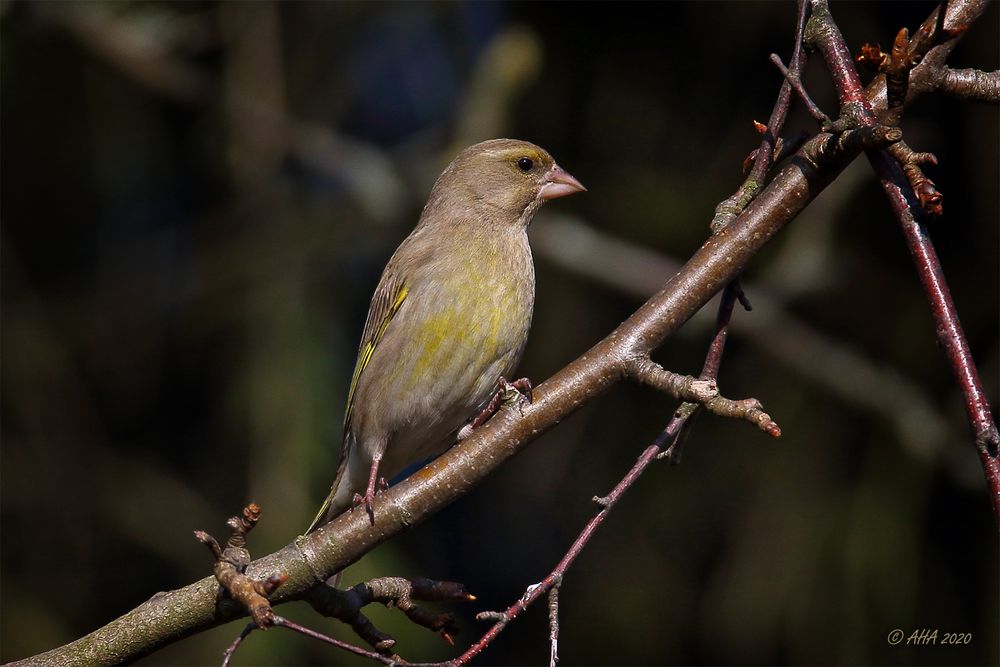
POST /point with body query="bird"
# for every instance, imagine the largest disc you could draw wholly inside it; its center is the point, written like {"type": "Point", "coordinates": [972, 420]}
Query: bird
{"type": "Point", "coordinates": [449, 318]}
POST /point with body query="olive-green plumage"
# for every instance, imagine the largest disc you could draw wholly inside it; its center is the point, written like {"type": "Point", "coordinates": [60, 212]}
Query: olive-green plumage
{"type": "Point", "coordinates": [449, 317]}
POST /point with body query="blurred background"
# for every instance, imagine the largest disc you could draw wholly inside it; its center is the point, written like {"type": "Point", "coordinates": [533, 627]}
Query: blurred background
{"type": "Point", "coordinates": [198, 200]}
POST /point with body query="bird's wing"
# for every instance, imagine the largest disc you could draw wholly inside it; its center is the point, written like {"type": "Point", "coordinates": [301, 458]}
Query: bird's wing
{"type": "Point", "coordinates": [385, 304]}
{"type": "Point", "coordinates": [389, 296]}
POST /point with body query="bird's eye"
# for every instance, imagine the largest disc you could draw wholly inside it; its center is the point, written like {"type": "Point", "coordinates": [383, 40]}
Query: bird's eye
{"type": "Point", "coordinates": [525, 163]}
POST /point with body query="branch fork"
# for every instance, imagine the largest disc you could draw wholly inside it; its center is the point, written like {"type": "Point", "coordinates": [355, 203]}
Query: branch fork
{"type": "Point", "coordinates": [398, 592]}
{"type": "Point", "coordinates": [346, 605]}
{"type": "Point", "coordinates": [700, 391]}
{"type": "Point", "coordinates": [231, 564]}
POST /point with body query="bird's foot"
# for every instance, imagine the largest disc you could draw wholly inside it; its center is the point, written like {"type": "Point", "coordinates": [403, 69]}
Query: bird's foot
{"type": "Point", "coordinates": [365, 501]}
{"type": "Point", "coordinates": [517, 392]}
{"type": "Point", "coordinates": [507, 393]}
{"type": "Point", "coordinates": [374, 486]}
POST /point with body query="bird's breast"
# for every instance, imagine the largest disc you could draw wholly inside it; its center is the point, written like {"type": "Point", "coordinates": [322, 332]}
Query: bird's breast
{"type": "Point", "coordinates": [464, 323]}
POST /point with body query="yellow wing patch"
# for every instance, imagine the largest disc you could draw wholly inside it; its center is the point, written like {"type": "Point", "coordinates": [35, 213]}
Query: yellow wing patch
{"type": "Point", "coordinates": [365, 354]}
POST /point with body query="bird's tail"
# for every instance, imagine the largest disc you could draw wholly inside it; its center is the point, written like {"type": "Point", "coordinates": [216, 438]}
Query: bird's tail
{"type": "Point", "coordinates": [339, 498]}
{"type": "Point", "coordinates": [321, 516]}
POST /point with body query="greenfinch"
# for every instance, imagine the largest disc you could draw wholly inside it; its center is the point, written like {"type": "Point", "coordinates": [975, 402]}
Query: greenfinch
{"type": "Point", "coordinates": [449, 318]}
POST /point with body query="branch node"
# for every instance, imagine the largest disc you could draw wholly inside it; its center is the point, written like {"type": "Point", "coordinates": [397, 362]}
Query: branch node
{"type": "Point", "coordinates": [931, 200]}
{"type": "Point", "coordinates": [831, 148]}
{"type": "Point", "coordinates": [988, 441]}
{"type": "Point", "coordinates": [494, 616]}
{"type": "Point", "coordinates": [395, 592]}
{"type": "Point", "coordinates": [232, 562]}
{"type": "Point", "coordinates": [700, 391]}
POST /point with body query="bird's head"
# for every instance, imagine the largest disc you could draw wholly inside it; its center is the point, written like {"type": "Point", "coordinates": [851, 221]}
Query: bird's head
{"type": "Point", "coordinates": [506, 176]}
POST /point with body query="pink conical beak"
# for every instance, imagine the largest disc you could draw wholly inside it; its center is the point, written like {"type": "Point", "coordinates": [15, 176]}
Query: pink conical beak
{"type": "Point", "coordinates": [559, 183]}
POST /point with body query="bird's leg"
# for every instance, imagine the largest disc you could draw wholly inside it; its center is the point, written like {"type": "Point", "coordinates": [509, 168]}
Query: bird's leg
{"type": "Point", "coordinates": [488, 411]}
{"type": "Point", "coordinates": [373, 481]}
{"type": "Point", "coordinates": [507, 392]}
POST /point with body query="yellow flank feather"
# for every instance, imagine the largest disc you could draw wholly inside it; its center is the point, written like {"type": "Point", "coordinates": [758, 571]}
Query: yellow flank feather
{"type": "Point", "coordinates": [472, 321]}
{"type": "Point", "coordinates": [434, 332]}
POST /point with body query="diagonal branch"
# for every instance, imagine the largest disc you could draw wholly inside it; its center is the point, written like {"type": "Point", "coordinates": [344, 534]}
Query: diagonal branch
{"type": "Point", "coordinates": [830, 43]}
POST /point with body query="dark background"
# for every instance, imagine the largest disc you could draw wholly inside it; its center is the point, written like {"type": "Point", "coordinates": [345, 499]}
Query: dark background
{"type": "Point", "coordinates": [198, 199]}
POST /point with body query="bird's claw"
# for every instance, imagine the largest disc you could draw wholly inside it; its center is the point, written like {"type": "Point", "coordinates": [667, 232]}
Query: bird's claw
{"type": "Point", "coordinates": [507, 393]}
{"type": "Point", "coordinates": [515, 392]}
{"type": "Point", "coordinates": [358, 500]}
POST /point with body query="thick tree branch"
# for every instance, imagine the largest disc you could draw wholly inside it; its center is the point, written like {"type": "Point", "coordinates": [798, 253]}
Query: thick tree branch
{"type": "Point", "coordinates": [971, 84]}
{"type": "Point", "coordinates": [309, 560]}
{"type": "Point", "coordinates": [847, 372]}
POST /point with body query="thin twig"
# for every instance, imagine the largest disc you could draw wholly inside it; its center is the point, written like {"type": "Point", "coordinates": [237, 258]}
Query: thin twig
{"type": "Point", "coordinates": [709, 371]}
{"type": "Point", "coordinates": [534, 592]}
{"type": "Point", "coordinates": [282, 622]}
{"type": "Point", "coordinates": [230, 651]}
{"type": "Point", "coordinates": [949, 330]}
{"type": "Point", "coordinates": [830, 43]}
{"type": "Point", "coordinates": [732, 206]}
{"type": "Point", "coordinates": [796, 83]}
